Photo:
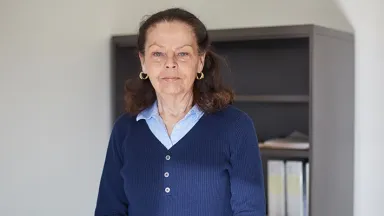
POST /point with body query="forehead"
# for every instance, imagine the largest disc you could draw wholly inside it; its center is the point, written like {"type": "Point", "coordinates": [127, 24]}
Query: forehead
{"type": "Point", "coordinates": [173, 33]}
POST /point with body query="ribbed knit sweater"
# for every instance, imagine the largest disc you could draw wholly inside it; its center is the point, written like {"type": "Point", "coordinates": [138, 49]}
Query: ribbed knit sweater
{"type": "Point", "coordinates": [214, 170]}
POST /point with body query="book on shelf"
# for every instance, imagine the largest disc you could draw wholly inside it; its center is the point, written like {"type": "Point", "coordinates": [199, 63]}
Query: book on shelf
{"type": "Point", "coordinates": [295, 140]}
{"type": "Point", "coordinates": [295, 188]}
{"type": "Point", "coordinates": [288, 188]}
{"type": "Point", "coordinates": [276, 188]}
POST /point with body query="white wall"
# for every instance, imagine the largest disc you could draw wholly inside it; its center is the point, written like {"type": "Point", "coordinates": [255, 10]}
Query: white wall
{"type": "Point", "coordinates": [54, 88]}
{"type": "Point", "coordinates": [242, 13]}
{"type": "Point", "coordinates": [369, 103]}
{"type": "Point", "coordinates": [54, 105]}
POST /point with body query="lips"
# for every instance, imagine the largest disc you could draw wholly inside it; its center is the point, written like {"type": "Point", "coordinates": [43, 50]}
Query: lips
{"type": "Point", "coordinates": [170, 78]}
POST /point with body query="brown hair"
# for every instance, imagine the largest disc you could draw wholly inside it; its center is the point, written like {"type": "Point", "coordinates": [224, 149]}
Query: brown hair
{"type": "Point", "coordinates": [209, 93]}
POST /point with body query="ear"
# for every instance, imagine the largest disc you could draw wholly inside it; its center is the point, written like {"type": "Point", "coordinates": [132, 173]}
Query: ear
{"type": "Point", "coordinates": [201, 62]}
{"type": "Point", "coordinates": [141, 57]}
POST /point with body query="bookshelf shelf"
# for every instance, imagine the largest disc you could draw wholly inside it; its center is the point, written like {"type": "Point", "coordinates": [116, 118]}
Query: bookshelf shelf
{"type": "Point", "coordinates": [284, 154]}
{"type": "Point", "coordinates": [273, 98]}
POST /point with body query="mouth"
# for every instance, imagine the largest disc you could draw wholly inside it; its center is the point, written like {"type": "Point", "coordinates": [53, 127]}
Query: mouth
{"type": "Point", "coordinates": [169, 79]}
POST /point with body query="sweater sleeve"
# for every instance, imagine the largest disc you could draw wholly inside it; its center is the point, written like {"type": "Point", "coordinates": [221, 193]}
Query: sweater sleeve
{"type": "Point", "coordinates": [111, 198]}
{"type": "Point", "coordinates": [246, 174]}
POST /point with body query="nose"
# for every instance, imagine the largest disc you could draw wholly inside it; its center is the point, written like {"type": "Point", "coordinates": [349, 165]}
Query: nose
{"type": "Point", "coordinates": [170, 63]}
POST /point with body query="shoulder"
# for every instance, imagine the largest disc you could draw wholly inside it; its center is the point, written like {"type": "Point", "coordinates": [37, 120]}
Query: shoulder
{"type": "Point", "coordinates": [234, 117]}
{"type": "Point", "coordinates": [122, 125]}
{"type": "Point", "coordinates": [236, 124]}
{"type": "Point", "coordinates": [239, 129]}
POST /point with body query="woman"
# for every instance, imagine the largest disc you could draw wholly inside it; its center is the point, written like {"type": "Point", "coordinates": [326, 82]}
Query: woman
{"type": "Point", "coordinates": [182, 148]}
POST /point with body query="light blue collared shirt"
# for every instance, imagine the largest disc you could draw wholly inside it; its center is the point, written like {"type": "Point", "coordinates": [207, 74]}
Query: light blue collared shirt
{"type": "Point", "coordinates": [156, 125]}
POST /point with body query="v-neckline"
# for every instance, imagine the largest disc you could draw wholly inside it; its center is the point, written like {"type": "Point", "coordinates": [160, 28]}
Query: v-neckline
{"type": "Point", "coordinates": [193, 130]}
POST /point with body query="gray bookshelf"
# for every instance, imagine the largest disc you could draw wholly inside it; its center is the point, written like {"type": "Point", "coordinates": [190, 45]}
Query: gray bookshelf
{"type": "Point", "coordinates": [286, 78]}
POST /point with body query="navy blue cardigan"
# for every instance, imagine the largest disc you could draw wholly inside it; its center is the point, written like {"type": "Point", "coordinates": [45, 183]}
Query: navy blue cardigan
{"type": "Point", "coordinates": [214, 170]}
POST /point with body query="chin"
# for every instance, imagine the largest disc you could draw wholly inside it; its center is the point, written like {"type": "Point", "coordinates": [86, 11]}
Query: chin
{"type": "Point", "coordinates": [171, 91]}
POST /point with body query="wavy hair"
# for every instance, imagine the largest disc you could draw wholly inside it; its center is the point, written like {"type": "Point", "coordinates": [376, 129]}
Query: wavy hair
{"type": "Point", "coordinates": [209, 93]}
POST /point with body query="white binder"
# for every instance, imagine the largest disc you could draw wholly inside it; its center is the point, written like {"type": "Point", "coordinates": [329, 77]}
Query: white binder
{"type": "Point", "coordinates": [276, 188]}
{"type": "Point", "coordinates": [307, 188]}
{"type": "Point", "coordinates": [295, 188]}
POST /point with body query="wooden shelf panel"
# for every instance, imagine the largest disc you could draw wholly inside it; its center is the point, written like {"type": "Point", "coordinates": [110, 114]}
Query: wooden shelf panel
{"type": "Point", "coordinates": [273, 98]}
{"type": "Point", "coordinates": [287, 154]}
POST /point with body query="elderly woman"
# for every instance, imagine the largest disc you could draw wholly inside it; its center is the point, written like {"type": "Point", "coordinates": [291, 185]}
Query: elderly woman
{"type": "Point", "coordinates": [181, 148]}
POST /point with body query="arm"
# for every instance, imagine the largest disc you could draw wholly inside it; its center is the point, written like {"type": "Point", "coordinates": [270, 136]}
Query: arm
{"type": "Point", "coordinates": [246, 173]}
{"type": "Point", "coordinates": [111, 198]}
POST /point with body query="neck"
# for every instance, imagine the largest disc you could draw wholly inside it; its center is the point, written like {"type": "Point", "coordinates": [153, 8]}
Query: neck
{"type": "Point", "coordinates": [174, 107]}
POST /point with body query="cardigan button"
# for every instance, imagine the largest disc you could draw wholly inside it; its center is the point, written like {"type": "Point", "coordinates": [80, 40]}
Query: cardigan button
{"type": "Point", "coordinates": [167, 157]}
{"type": "Point", "coordinates": [166, 174]}
{"type": "Point", "coordinates": [167, 190]}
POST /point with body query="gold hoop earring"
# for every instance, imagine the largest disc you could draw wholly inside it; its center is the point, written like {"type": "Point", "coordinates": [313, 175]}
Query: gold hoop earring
{"type": "Point", "coordinates": [201, 76]}
{"type": "Point", "coordinates": [143, 75]}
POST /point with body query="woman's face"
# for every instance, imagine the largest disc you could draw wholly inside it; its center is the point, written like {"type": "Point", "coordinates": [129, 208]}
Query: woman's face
{"type": "Point", "coordinates": [171, 58]}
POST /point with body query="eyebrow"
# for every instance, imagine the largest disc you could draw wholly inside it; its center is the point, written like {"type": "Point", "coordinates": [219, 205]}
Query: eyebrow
{"type": "Point", "coordinates": [155, 44]}
{"type": "Point", "coordinates": [184, 46]}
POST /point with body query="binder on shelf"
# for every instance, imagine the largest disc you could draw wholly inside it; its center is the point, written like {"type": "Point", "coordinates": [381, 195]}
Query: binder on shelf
{"type": "Point", "coordinates": [307, 189]}
{"type": "Point", "coordinates": [295, 188]}
{"type": "Point", "coordinates": [276, 188]}
{"type": "Point", "coordinates": [288, 187]}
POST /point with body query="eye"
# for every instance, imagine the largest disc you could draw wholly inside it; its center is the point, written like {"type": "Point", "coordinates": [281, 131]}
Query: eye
{"type": "Point", "coordinates": [183, 54]}
{"type": "Point", "coordinates": [157, 54]}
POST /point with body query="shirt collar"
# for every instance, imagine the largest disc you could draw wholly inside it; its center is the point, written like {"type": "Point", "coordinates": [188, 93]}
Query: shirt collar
{"type": "Point", "coordinates": [153, 112]}
{"type": "Point", "coordinates": [148, 113]}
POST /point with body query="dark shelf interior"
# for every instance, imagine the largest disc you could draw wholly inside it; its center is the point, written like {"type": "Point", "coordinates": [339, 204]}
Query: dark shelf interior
{"type": "Point", "coordinates": [266, 66]}
{"type": "Point", "coordinates": [273, 98]}
{"type": "Point", "coordinates": [285, 154]}
{"type": "Point", "coordinates": [126, 66]}
{"type": "Point", "coordinates": [273, 120]}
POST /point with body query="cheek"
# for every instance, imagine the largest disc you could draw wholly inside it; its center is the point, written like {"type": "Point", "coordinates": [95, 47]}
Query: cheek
{"type": "Point", "coordinates": [188, 73]}
{"type": "Point", "coordinates": [153, 69]}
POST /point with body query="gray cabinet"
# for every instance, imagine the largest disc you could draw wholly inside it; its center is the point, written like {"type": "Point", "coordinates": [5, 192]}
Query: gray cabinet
{"type": "Point", "coordinates": [286, 78]}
